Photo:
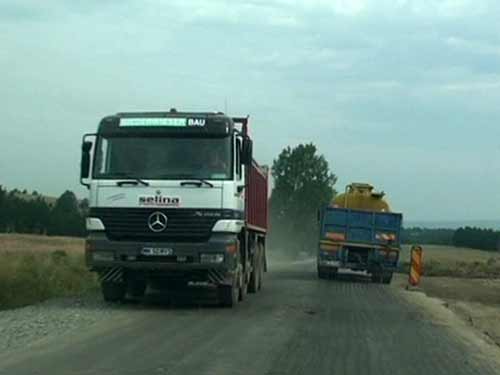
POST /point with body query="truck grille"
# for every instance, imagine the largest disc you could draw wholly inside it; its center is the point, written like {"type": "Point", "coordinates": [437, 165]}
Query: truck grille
{"type": "Point", "coordinates": [131, 224]}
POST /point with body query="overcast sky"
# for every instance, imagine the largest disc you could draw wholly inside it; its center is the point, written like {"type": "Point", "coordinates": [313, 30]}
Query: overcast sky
{"type": "Point", "coordinates": [402, 94]}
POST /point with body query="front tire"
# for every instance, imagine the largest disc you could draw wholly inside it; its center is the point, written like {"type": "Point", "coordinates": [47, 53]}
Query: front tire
{"type": "Point", "coordinates": [229, 294]}
{"type": "Point", "coordinates": [137, 288]}
{"type": "Point", "coordinates": [113, 292]}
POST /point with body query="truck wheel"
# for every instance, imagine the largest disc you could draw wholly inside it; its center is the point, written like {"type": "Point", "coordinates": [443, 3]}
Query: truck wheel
{"type": "Point", "coordinates": [137, 288]}
{"type": "Point", "coordinates": [228, 294]}
{"type": "Point", "coordinates": [253, 285]}
{"type": "Point", "coordinates": [113, 292]}
{"type": "Point", "coordinates": [387, 278]}
{"type": "Point", "coordinates": [262, 267]}
{"type": "Point", "coordinates": [376, 277]}
{"type": "Point", "coordinates": [321, 273]}
{"type": "Point", "coordinates": [261, 276]}
{"type": "Point", "coordinates": [333, 273]}
{"type": "Point", "coordinates": [243, 289]}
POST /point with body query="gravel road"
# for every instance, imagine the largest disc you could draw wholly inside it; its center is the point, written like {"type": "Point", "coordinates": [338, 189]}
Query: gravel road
{"type": "Point", "coordinates": [24, 326]}
{"type": "Point", "coordinates": [296, 325]}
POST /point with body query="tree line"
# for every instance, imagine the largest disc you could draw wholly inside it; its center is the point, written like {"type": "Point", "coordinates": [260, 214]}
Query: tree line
{"type": "Point", "coordinates": [441, 236]}
{"type": "Point", "coordinates": [23, 212]}
{"type": "Point", "coordinates": [477, 238]}
{"type": "Point", "coordinates": [472, 237]}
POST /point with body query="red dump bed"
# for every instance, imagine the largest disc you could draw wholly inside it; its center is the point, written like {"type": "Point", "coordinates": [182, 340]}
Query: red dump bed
{"type": "Point", "coordinates": [256, 197]}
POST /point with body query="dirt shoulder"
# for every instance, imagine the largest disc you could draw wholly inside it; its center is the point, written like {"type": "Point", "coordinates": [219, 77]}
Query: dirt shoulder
{"type": "Point", "coordinates": [475, 301]}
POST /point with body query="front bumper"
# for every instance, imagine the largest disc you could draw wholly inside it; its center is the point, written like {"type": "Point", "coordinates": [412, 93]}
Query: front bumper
{"type": "Point", "coordinates": [183, 262]}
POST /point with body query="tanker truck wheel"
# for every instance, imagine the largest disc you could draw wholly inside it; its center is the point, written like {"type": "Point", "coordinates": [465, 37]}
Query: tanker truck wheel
{"type": "Point", "coordinates": [387, 278]}
{"type": "Point", "coordinates": [376, 277]}
{"type": "Point", "coordinates": [321, 273]}
{"type": "Point", "coordinates": [113, 292]}
{"type": "Point", "coordinates": [333, 273]}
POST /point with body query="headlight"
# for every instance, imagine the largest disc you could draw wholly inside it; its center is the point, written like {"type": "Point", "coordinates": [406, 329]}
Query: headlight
{"type": "Point", "coordinates": [103, 256]}
{"type": "Point", "coordinates": [211, 258]}
{"type": "Point", "coordinates": [94, 223]}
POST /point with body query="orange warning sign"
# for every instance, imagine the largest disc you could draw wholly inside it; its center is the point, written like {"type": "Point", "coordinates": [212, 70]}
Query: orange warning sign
{"type": "Point", "coordinates": [416, 265]}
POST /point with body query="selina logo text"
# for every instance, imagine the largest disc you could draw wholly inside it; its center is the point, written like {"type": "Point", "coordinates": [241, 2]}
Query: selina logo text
{"type": "Point", "coordinates": [159, 201]}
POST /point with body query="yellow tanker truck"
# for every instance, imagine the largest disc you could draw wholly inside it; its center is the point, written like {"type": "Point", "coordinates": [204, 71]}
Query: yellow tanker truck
{"type": "Point", "coordinates": [361, 196]}
{"type": "Point", "coordinates": [359, 232]}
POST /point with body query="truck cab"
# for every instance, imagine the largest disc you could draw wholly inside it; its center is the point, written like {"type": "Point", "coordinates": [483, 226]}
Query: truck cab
{"type": "Point", "coordinates": [172, 200]}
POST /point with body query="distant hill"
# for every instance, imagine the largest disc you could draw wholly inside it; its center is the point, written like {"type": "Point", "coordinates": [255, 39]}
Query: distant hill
{"type": "Point", "coordinates": [484, 224]}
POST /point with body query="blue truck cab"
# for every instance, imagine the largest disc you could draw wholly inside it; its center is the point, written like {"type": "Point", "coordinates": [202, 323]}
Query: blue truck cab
{"type": "Point", "coordinates": [358, 240]}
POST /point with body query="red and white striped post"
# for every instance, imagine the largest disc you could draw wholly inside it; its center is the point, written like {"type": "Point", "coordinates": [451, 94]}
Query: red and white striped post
{"type": "Point", "coordinates": [416, 265]}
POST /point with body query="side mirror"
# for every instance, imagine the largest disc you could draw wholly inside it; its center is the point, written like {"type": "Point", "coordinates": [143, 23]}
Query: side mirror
{"type": "Point", "coordinates": [85, 162]}
{"type": "Point", "coordinates": [246, 151]}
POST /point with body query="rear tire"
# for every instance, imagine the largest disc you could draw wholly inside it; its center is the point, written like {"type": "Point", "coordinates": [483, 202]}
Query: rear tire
{"type": "Point", "coordinates": [376, 277]}
{"type": "Point", "coordinates": [243, 290]}
{"type": "Point", "coordinates": [261, 276]}
{"type": "Point", "coordinates": [113, 292]}
{"type": "Point", "coordinates": [262, 266]}
{"type": "Point", "coordinates": [253, 285]}
{"type": "Point", "coordinates": [333, 273]}
{"type": "Point", "coordinates": [321, 273]}
{"type": "Point", "coordinates": [387, 278]}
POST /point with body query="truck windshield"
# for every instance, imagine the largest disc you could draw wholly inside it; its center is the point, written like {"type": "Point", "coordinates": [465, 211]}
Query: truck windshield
{"type": "Point", "coordinates": [163, 158]}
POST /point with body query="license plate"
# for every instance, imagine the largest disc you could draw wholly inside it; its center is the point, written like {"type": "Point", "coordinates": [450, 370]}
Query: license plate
{"type": "Point", "coordinates": [157, 251]}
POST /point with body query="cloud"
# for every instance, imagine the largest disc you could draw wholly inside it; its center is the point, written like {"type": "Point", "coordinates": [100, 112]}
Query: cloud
{"type": "Point", "coordinates": [391, 91]}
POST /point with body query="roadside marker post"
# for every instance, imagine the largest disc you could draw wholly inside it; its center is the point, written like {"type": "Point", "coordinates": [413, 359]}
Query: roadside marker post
{"type": "Point", "coordinates": [416, 266]}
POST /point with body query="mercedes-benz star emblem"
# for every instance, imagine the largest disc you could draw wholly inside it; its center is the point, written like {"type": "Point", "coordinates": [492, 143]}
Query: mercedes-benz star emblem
{"type": "Point", "coordinates": [157, 222]}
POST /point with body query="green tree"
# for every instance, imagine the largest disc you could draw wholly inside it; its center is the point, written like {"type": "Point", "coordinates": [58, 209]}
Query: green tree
{"type": "Point", "coordinates": [3, 209]}
{"type": "Point", "coordinates": [303, 183]}
{"type": "Point", "coordinates": [66, 218]}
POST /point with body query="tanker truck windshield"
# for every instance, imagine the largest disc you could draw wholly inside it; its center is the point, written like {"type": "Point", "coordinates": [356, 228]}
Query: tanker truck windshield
{"type": "Point", "coordinates": [163, 158]}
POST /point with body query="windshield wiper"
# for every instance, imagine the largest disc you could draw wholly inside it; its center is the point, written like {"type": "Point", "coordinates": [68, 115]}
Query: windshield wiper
{"type": "Point", "coordinates": [132, 181]}
{"type": "Point", "coordinates": [198, 182]}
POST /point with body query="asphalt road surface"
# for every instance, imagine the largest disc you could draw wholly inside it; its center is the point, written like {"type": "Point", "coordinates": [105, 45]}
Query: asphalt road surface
{"type": "Point", "coordinates": [296, 325]}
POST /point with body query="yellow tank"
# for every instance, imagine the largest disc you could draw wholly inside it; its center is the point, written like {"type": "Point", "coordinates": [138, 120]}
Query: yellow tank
{"type": "Point", "coordinates": [360, 196]}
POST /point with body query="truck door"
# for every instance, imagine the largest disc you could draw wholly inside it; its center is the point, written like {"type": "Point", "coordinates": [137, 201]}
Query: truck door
{"type": "Point", "coordinates": [239, 176]}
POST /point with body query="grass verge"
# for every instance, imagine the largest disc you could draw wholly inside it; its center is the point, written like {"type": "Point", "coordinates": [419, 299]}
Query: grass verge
{"type": "Point", "coordinates": [28, 277]}
{"type": "Point", "coordinates": [455, 262]}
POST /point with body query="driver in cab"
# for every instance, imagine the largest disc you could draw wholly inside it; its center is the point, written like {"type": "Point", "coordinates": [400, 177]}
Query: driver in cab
{"type": "Point", "coordinates": [217, 165]}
